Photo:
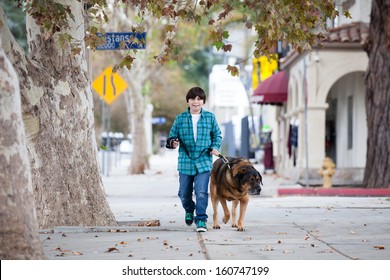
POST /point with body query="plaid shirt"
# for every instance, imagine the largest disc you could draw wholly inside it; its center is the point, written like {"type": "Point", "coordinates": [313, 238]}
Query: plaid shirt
{"type": "Point", "coordinates": [209, 136]}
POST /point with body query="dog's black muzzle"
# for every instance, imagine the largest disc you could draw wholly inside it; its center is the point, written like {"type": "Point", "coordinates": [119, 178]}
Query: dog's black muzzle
{"type": "Point", "coordinates": [255, 191]}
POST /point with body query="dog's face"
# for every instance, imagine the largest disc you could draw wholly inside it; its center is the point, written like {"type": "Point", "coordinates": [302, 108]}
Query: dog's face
{"type": "Point", "coordinates": [248, 179]}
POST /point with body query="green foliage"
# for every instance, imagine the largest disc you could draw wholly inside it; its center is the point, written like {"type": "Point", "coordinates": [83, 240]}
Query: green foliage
{"type": "Point", "coordinates": [104, 148]}
{"type": "Point", "coordinates": [52, 16]}
{"type": "Point", "coordinates": [300, 23]}
{"type": "Point", "coordinates": [16, 20]}
{"type": "Point", "coordinates": [197, 66]}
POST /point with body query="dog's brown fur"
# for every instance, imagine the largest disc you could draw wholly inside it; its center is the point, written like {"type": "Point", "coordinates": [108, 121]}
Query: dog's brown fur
{"type": "Point", "coordinates": [233, 181]}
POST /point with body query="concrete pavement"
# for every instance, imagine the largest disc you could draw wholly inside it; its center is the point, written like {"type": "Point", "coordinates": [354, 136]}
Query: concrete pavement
{"type": "Point", "coordinates": [278, 227]}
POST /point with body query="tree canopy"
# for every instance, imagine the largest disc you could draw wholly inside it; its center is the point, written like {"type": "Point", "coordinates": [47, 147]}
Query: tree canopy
{"type": "Point", "coordinates": [300, 23]}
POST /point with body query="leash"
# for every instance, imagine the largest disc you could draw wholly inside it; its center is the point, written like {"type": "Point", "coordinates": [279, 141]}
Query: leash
{"type": "Point", "coordinates": [224, 160]}
{"type": "Point", "coordinates": [169, 146]}
{"type": "Point", "coordinates": [188, 154]}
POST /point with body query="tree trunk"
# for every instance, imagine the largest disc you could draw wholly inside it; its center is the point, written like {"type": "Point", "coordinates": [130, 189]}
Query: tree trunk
{"type": "Point", "coordinates": [377, 171]}
{"type": "Point", "coordinates": [58, 115]}
{"type": "Point", "coordinates": [18, 223]}
{"type": "Point", "coordinates": [137, 108]}
{"type": "Point", "coordinates": [139, 158]}
{"type": "Point", "coordinates": [136, 99]}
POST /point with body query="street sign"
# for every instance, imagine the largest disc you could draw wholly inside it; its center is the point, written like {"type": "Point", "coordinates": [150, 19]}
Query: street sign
{"type": "Point", "coordinates": [160, 120]}
{"type": "Point", "coordinates": [109, 85]}
{"type": "Point", "coordinates": [131, 41]}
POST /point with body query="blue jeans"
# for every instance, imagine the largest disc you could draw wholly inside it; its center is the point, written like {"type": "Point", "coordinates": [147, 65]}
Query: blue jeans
{"type": "Point", "coordinates": [199, 184]}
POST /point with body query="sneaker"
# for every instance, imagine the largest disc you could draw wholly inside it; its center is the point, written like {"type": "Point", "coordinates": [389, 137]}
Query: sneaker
{"type": "Point", "coordinates": [189, 218]}
{"type": "Point", "coordinates": [201, 226]}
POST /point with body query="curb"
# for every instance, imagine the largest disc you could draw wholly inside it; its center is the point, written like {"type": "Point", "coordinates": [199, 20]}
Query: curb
{"type": "Point", "coordinates": [335, 192]}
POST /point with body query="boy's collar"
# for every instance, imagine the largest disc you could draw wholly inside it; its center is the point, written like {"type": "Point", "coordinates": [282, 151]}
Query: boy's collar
{"type": "Point", "coordinates": [201, 111]}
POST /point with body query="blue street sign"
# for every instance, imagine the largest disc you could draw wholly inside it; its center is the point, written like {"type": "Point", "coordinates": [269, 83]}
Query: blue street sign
{"type": "Point", "coordinates": [159, 120]}
{"type": "Point", "coordinates": [113, 40]}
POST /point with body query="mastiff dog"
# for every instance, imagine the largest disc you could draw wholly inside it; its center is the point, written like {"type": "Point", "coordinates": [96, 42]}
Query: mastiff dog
{"type": "Point", "coordinates": [233, 179]}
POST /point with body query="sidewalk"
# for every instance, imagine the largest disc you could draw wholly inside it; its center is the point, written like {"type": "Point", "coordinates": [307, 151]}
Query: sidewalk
{"type": "Point", "coordinates": [277, 227]}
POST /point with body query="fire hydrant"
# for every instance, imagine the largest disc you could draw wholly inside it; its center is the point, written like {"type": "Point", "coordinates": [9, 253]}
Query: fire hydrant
{"type": "Point", "coordinates": [327, 171]}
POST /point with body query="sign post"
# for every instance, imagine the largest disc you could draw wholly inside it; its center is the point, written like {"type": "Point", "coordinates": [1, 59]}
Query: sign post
{"type": "Point", "coordinates": [109, 86]}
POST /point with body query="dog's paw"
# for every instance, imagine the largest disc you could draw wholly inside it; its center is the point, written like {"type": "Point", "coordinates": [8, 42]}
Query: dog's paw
{"type": "Point", "coordinates": [240, 229]}
{"type": "Point", "coordinates": [225, 219]}
{"type": "Point", "coordinates": [216, 227]}
{"type": "Point", "coordinates": [234, 225]}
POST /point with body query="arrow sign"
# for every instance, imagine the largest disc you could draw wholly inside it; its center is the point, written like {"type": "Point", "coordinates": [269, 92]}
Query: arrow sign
{"type": "Point", "coordinates": [109, 85]}
{"type": "Point", "coordinates": [130, 41]}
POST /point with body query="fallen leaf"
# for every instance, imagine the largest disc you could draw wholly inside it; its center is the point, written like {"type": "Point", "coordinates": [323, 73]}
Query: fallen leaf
{"type": "Point", "coordinates": [279, 241]}
{"type": "Point", "coordinates": [118, 230]}
{"type": "Point", "coordinates": [61, 250]}
{"type": "Point", "coordinates": [121, 243]}
{"type": "Point", "coordinates": [130, 255]}
{"type": "Point", "coordinates": [379, 247]}
{"type": "Point", "coordinates": [307, 237]}
{"type": "Point", "coordinates": [77, 253]}
{"type": "Point", "coordinates": [267, 248]}
{"type": "Point", "coordinates": [153, 223]}
{"type": "Point", "coordinates": [288, 251]}
{"type": "Point", "coordinates": [190, 255]}
{"type": "Point", "coordinates": [63, 235]}
{"type": "Point", "coordinates": [112, 249]}
{"type": "Point", "coordinates": [152, 237]}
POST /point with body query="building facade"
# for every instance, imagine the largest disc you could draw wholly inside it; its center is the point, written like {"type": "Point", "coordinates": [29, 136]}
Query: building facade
{"type": "Point", "coordinates": [324, 115]}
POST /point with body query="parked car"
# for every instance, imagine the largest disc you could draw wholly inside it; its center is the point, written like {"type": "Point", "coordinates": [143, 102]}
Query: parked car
{"type": "Point", "coordinates": [126, 146]}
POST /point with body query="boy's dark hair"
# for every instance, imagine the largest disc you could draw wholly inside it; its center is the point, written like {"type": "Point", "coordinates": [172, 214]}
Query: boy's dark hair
{"type": "Point", "coordinates": [194, 92]}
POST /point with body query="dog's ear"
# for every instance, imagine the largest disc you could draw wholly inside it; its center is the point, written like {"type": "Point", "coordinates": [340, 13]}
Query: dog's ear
{"type": "Point", "coordinates": [239, 178]}
{"type": "Point", "coordinates": [261, 178]}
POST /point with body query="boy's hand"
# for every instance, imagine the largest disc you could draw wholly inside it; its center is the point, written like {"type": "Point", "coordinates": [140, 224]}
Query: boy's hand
{"type": "Point", "coordinates": [175, 143]}
{"type": "Point", "coordinates": [214, 152]}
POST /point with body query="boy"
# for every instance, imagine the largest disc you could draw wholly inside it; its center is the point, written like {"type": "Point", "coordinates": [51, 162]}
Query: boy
{"type": "Point", "coordinates": [199, 136]}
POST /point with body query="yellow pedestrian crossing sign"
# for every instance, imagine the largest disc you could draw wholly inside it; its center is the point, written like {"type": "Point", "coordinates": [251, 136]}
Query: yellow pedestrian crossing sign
{"type": "Point", "coordinates": [109, 85]}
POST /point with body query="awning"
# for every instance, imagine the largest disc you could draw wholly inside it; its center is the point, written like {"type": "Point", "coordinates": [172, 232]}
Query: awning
{"type": "Point", "coordinates": [272, 90]}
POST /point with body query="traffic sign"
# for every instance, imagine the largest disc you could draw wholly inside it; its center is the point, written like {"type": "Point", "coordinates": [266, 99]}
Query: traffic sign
{"type": "Point", "coordinates": [109, 85]}
{"type": "Point", "coordinates": [160, 120]}
{"type": "Point", "coordinates": [131, 41]}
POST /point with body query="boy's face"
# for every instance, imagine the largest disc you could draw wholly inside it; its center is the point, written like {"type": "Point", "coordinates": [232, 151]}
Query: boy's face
{"type": "Point", "coordinates": [195, 105]}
